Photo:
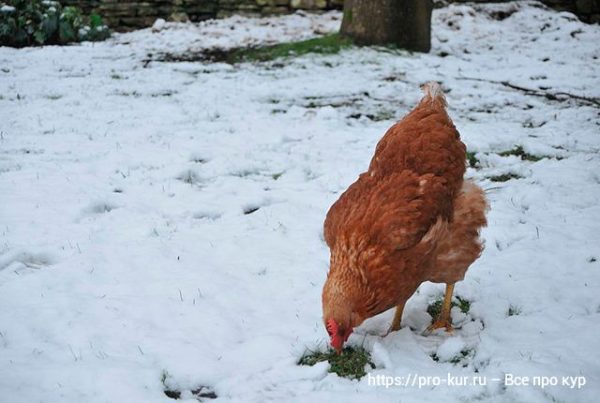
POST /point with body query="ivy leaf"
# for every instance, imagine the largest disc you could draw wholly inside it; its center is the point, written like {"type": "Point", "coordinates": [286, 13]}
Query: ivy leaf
{"type": "Point", "coordinates": [39, 37]}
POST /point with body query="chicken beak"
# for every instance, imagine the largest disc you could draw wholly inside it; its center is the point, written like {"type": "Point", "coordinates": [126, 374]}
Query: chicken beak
{"type": "Point", "coordinates": [337, 343]}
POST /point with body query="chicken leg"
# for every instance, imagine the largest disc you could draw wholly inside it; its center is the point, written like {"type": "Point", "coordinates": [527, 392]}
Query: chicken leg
{"type": "Point", "coordinates": [444, 320]}
{"type": "Point", "coordinates": [397, 318]}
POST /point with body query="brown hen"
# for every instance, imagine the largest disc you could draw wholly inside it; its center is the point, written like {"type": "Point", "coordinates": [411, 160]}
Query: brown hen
{"type": "Point", "coordinates": [410, 218]}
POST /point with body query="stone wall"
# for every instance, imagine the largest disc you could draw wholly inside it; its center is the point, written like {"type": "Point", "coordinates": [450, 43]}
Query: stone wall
{"type": "Point", "coordinates": [124, 15]}
{"type": "Point", "coordinates": [266, 7]}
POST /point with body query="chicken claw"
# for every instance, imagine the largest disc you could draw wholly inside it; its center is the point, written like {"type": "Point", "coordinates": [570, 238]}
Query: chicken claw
{"type": "Point", "coordinates": [439, 324]}
{"type": "Point", "coordinates": [444, 320]}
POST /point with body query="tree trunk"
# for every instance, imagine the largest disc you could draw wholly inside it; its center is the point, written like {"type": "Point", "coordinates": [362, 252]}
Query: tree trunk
{"type": "Point", "coordinates": [405, 23]}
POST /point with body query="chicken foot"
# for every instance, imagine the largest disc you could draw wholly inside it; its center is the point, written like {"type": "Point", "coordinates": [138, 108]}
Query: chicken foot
{"type": "Point", "coordinates": [397, 318]}
{"type": "Point", "coordinates": [444, 320]}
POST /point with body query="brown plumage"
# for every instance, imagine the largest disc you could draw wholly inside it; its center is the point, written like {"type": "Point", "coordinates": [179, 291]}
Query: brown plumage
{"type": "Point", "coordinates": [410, 218]}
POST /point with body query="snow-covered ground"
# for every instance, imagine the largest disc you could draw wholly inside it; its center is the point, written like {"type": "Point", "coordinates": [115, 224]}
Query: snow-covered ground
{"type": "Point", "coordinates": [161, 223]}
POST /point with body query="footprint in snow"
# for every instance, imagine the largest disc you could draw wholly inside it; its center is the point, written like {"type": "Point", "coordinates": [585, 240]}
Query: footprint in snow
{"type": "Point", "coordinates": [207, 215]}
{"type": "Point", "coordinates": [200, 393]}
{"type": "Point", "coordinates": [95, 209]}
{"type": "Point", "coordinates": [99, 207]}
{"type": "Point", "coordinates": [249, 209]}
{"type": "Point", "coordinates": [190, 176]}
{"type": "Point", "coordinates": [19, 261]}
{"type": "Point", "coordinates": [198, 158]}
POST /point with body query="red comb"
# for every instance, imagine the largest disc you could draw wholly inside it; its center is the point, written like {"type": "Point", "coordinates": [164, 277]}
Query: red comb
{"type": "Point", "coordinates": [332, 327]}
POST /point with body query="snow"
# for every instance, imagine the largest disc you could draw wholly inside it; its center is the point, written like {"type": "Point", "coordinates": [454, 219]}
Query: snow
{"type": "Point", "coordinates": [158, 25]}
{"type": "Point", "coordinates": [162, 222]}
{"type": "Point", "coordinates": [450, 348]}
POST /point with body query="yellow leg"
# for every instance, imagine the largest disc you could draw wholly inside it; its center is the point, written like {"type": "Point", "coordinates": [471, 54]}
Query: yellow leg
{"type": "Point", "coordinates": [397, 318]}
{"type": "Point", "coordinates": [444, 320]}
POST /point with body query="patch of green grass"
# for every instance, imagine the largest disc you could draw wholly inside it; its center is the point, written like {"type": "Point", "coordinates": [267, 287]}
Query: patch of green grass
{"type": "Point", "coordinates": [472, 159]}
{"type": "Point", "coordinates": [463, 304]}
{"type": "Point", "coordinates": [457, 359]}
{"type": "Point", "coordinates": [504, 177]}
{"type": "Point", "coordinates": [435, 308]}
{"type": "Point", "coordinates": [325, 45]}
{"type": "Point", "coordinates": [350, 363]}
{"type": "Point", "coordinates": [460, 356]}
{"type": "Point", "coordinates": [520, 152]}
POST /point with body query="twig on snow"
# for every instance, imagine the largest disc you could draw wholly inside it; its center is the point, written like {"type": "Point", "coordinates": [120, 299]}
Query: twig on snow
{"type": "Point", "coordinates": [553, 96]}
